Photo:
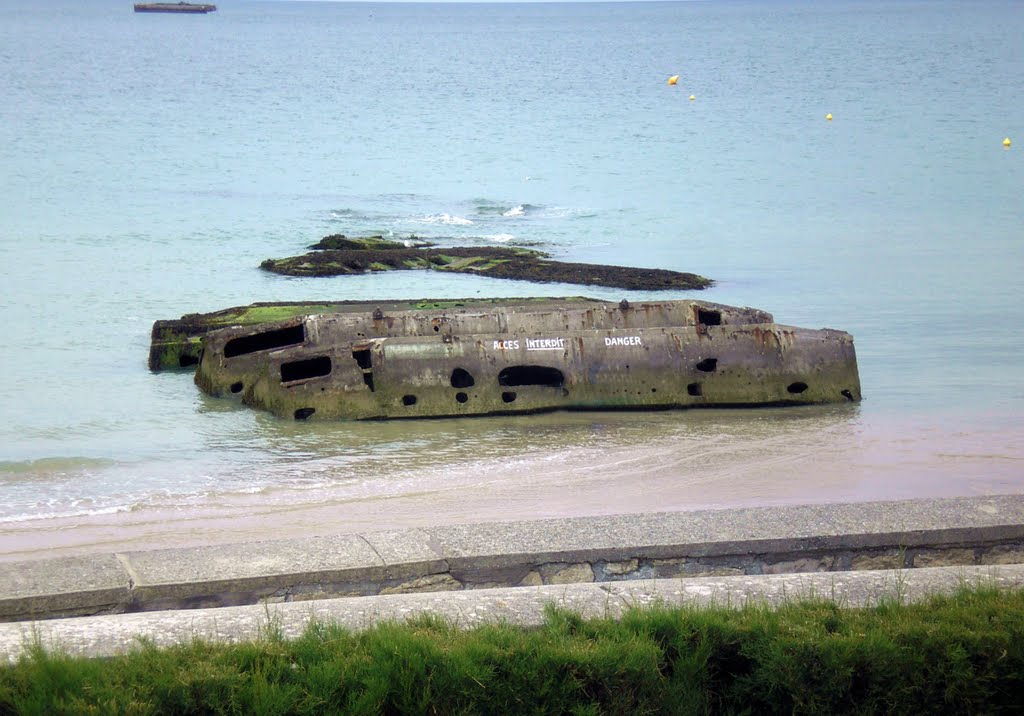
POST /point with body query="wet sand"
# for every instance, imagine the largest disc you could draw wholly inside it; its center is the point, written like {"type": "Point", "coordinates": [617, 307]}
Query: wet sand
{"type": "Point", "coordinates": [752, 458]}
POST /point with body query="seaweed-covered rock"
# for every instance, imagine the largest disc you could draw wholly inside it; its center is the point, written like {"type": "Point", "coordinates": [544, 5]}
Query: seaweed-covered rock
{"type": "Point", "coordinates": [338, 255]}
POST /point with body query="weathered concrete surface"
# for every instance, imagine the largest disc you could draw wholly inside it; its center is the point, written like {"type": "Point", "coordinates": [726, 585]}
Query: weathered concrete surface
{"type": "Point", "coordinates": [113, 634]}
{"type": "Point", "coordinates": [749, 541]}
{"type": "Point", "coordinates": [175, 343]}
{"type": "Point", "coordinates": [70, 586]}
{"type": "Point", "coordinates": [753, 541]}
{"type": "Point", "coordinates": [283, 570]}
{"type": "Point", "coordinates": [523, 358]}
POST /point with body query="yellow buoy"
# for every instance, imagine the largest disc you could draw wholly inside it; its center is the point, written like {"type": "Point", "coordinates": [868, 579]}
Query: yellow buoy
{"type": "Point", "coordinates": [673, 79]}
{"type": "Point", "coordinates": [1007, 142]}
{"type": "Point", "coordinates": [828, 117]}
{"type": "Point", "coordinates": [692, 98]}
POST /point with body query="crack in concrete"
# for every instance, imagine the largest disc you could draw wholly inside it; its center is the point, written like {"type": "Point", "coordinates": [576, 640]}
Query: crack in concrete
{"type": "Point", "coordinates": [383, 562]}
{"type": "Point", "coordinates": [133, 578]}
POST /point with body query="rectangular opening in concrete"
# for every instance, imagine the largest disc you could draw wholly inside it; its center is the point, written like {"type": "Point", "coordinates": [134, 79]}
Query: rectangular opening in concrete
{"type": "Point", "coordinates": [531, 375]}
{"type": "Point", "coordinates": [363, 358]}
{"type": "Point", "coordinates": [306, 369]}
{"type": "Point", "coordinates": [709, 317]}
{"type": "Point", "coordinates": [265, 341]}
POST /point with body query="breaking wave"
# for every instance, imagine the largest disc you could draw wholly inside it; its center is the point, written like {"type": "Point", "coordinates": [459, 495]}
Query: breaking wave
{"type": "Point", "coordinates": [66, 513]}
{"type": "Point", "coordinates": [487, 207]}
{"type": "Point", "coordinates": [445, 219]}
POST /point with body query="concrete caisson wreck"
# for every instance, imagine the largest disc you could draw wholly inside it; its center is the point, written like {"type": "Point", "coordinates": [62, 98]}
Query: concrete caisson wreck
{"type": "Point", "coordinates": [460, 358]}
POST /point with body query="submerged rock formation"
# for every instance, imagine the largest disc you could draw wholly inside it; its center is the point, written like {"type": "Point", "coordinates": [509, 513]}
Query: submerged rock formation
{"type": "Point", "coordinates": [339, 255]}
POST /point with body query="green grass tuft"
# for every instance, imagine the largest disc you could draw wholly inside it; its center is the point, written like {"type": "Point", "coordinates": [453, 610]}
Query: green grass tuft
{"type": "Point", "coordinates": [956, 654]}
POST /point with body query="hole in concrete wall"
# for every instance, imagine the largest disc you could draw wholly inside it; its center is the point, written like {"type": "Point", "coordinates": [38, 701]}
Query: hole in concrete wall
{"type": "Point", "coordinates": [303, 413]}
{"type": "Point", "coordinates": [462, 378]}
{"type": "Point", "coordinates": [797, 387]}
{"type": "Point", "coordinates": [305, 369]}
{"type": "Point", "coordinates": [708, 365]}
{"type": "Point", "coordinates": [695, 389]}
{"type": "Point", "coordinates": [363, 358]}
{"type": "Point", "coordinates": [185, 360]}
{"type": "Point", "coordinates": [508, 396]}
{"type": "Point", "coordinates": [237, 387]}
{"type": "Point", "coordinates": [709, 317]}
{"type": "Point", "coordinates": [461, 397]}
{"type": "Point", "coordinates": [408, 400]}
{"type": "Point", "coordinates": [265, 341]}
{"type": "Point", "coordinates": [531, 375]}
{"type": "Point", "coordinates": [437, 328]}
{"type": "Point", "coordinates": [845, 392]}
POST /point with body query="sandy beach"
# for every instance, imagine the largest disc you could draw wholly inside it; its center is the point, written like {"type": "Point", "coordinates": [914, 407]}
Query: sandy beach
{"type": "Point", "coordinates": [681, 461]}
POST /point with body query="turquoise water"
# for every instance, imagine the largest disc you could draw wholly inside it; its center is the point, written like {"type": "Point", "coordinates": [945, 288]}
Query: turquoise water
{"type": "Point", "coordinates": [150, 162]}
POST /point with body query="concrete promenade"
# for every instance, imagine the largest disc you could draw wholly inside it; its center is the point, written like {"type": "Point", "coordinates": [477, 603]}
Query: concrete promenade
{"type": "Point", "coordinates": [736, 553]}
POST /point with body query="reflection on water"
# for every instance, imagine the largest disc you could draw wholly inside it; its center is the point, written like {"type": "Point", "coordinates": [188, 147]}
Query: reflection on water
{"type": "Point", "coordinates": [319, 478]}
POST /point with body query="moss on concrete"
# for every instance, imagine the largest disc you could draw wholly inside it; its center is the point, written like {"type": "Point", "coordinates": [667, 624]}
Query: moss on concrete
{"type": "Point", "coordinates": [176, 343]}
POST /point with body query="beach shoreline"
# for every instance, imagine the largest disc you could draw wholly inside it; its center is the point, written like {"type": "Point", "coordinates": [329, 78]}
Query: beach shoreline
{"type": "Point", "coordinates": [848, 463]}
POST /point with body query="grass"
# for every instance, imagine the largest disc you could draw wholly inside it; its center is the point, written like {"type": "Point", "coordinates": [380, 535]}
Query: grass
{"type": "Point", "coordinates": [957, 654]}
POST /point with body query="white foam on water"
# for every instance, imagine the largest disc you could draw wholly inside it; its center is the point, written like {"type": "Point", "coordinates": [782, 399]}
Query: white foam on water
{"type": "Point", "coordinates": [446, 219]}
{"type": "Point", "coordinates": [67, 513]}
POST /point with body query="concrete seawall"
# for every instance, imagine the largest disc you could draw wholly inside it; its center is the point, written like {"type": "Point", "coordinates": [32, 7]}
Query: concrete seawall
{"type": "Point", "coordinates": [111, 634]}
{"type": "Point", "coordinates": [711, 543]}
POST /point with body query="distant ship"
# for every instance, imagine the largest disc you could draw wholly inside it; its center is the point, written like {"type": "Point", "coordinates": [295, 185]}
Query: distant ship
{"type": "Point", "coordinates": [174, 7]}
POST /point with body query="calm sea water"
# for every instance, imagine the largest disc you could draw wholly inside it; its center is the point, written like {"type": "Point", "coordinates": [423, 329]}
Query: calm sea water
{"type": "Point", "coordinates": [148, 163]}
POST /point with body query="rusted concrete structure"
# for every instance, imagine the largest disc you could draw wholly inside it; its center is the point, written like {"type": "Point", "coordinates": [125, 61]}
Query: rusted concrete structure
{"type": "Point", "coordinates": [535, 355]}
{"type": "Point", "coordinates": [396, 362]}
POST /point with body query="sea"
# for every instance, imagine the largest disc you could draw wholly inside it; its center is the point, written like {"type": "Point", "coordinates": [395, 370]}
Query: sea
{"type": "Point", "coordinates": [150, 162]}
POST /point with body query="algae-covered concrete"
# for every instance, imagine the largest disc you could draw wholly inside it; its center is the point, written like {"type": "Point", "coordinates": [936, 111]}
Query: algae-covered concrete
{"type": "Point", "coordinates": [738, 542]}
{"type": "Point", "coordinates": [177, 343]}
{"type": "Point", "coordinates": [512, 356]}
